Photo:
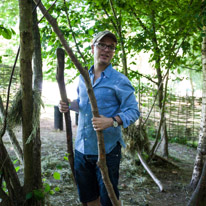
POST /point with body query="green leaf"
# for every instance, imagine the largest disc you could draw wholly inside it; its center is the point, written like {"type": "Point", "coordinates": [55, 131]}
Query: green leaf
{"type": "Point", "coordinates": [59, 167]}
{"type": "Point", "coordinates": [66, 158]}
{"type": "Point", "coordinates": [57, 176]}
{"type": "Point", "coordinates": [52, 192]}
{"type": "Point", "coordinates": [38, 194]}
{"type": "Point", "coordinates": [6, 33]}
{"type": "Point", "coordinates": [17, 168]}
{"type": "Point", "coordinates": [15, 161]}
{"type": "Point", "coordinates": [47, 187]}
{"type": "Point", "coordinates": [57, 189]}
{"type": "Point", "coordinates": [29, 195]}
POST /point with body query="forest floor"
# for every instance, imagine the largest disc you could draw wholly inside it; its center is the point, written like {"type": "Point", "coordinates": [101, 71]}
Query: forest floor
{"type": "Point", "coordinates": [136, 186]}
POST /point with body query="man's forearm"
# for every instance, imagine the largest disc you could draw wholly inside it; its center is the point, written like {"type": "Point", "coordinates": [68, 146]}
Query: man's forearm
{"type": "Point", "coordinates": [74, 106]}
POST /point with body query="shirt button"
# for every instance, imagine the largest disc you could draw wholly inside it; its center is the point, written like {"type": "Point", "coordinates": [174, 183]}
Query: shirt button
{"type": "Point", "coordinates": [85, 139]}
{"type": "Point", "coordinates": [85, 127]}
{"type": "Point", "coordinates": [86, 115]}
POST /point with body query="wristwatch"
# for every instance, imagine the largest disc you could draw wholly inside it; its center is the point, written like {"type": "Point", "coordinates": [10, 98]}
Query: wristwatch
{"type": "Point", "coordinates": [115, 123]}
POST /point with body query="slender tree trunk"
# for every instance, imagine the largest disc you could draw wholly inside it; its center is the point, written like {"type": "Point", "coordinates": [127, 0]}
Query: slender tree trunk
{"type": "Point", "coordinates": [201, 149]}
{"type": "Point", "coordinates": [164, 136]}
{"type": "Point", "coordinates": [191, 83]}
{"type": "Point", "coordinates": [37, 87]}
{"type": "Point", "coordinates": [26, 45]}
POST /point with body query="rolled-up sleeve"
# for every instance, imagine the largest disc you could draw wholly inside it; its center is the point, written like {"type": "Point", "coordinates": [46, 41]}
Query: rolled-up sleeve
{"type": "Point", "coordinates": [129, 111]}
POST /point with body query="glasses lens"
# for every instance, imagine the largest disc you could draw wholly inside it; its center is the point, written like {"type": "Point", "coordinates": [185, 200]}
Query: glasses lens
{"type": "Point", "coordinates": [104, 46]}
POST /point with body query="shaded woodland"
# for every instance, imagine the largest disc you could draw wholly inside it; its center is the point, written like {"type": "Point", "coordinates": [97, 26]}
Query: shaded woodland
{"type": "Point", "coordinates": [58, 34]}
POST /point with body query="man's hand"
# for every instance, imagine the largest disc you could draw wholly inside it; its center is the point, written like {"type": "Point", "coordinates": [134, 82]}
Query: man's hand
{"type": "Point", "coordinates": [101, 123]}
{"type": "Point", "coordinates": [63, 106]}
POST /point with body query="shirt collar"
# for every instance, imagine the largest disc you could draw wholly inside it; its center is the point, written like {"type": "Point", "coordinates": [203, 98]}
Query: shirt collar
{"type": "Point", "coordinates": [106, 72]}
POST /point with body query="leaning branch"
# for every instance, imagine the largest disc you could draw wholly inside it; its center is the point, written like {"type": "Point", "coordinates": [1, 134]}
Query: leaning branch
{"type": "Point", "coordinates": [8, 95]}
{"type": "Point", "coordinates": [152, 175]}
{"type": "Point", "coordinates": [145, 76]}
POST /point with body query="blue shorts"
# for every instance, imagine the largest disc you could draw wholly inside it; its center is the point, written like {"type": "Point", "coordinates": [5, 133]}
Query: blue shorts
{"type": "Point", "coordinates": [88, 176]}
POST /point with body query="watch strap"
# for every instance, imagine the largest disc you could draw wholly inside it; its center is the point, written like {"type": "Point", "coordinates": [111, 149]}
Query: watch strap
{"type": "Point", "coordinates": [114, 119]}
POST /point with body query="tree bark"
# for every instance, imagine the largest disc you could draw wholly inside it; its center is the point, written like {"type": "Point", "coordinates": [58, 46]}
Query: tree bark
{"type": "Point", "coordinates": [37, 87]}
{"type": "Point", "coordinates": [63, 93]}
{"type": "Point", "coordinates": [201, 149]}
{"type": "Point", "coordinates": [198, 197]}
{"type": "Point", "coordinates": [101, 149]}
{"type": "Point", "coordinates": [26, 51]}
{"type": "Point", "coordinates": [11, 178]}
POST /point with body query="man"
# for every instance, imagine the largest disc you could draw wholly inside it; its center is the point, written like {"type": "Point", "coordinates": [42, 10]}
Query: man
{"type": "Point", "coordinates": [117, 106]}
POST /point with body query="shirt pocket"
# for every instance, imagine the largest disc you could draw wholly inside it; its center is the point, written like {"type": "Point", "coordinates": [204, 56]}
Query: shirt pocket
{"type": "Point", "coordinates": [107, 101]}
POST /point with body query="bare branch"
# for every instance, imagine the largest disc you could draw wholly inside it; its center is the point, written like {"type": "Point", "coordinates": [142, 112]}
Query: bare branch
{"type": "Point", "coordinates": [113, 23]}
{"type": "Point", "coordinates": [138, 19]}
{"type": "Point", "coordinates": [145, 76]}
{"type": "Point", "coordinates": [46, 10]}
{"type": "Point", "coordinates": [73, 35]}
{"type": "Point", "coordinates": [8, 95]}
{"type": "Point", "coordinates": [115, 16]}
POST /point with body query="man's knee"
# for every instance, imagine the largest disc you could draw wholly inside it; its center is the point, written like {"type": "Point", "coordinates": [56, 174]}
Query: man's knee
{"type": "Point", "coordinates": [94, 203]}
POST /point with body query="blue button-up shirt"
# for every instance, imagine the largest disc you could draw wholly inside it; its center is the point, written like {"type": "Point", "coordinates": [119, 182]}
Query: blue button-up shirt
{"type": "Point", "coordinates": [115, 96]}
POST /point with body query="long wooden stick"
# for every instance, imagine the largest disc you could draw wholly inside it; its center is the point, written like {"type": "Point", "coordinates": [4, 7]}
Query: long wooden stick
{"type": "Point", "coordinates": [152, 175]}
{"type": "Point", "coordinates": [67, 117]}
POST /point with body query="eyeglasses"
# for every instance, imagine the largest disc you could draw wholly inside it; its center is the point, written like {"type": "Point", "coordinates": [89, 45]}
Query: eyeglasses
{"type": "Point", "coordinates": [103, 46]}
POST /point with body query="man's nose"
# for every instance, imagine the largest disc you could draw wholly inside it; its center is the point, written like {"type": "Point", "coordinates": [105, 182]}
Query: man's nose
{"type": "Point", "coordinates": [107, 48]}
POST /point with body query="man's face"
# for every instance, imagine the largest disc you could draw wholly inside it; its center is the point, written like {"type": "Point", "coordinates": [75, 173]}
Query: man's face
{"type": "Point", "coordinates": [103, 57]}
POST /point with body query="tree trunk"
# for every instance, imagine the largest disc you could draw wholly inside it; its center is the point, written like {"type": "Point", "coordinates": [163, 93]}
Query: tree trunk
{"type": "Point", "coordinates": [198, 197]}
{"type": "Point", "coordinates": [201, 149]}
{"type": "Point", "coordinates": [26, 51]}
{"type": "Point", "coordinates": [37, 87]}
{"type": "Point", "coordinates": [164, 138]}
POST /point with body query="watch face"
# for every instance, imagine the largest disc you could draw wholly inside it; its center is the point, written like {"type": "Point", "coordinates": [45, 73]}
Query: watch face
{"type": "Point", "coordinates": [115, 124]}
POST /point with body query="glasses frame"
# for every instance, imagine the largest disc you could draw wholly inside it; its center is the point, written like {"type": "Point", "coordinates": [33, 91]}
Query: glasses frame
{"type": "Point", "coordinates": [103, 46]}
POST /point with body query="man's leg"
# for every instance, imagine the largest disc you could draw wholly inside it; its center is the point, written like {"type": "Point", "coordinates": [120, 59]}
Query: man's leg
{"type": "Point", "coordinates": [113, 161]}
{"type": "Point", "coordinates": [94, 203]}
{"type": "Point", "coordinates": [85, 176]}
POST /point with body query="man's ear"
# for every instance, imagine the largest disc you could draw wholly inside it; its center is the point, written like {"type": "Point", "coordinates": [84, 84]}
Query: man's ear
{"type": "Point", "coordinates": [92, 46]}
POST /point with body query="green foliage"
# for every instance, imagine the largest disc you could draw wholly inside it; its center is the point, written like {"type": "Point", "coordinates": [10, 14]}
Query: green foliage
{"type": "Point", "coordinates": [9, 10]}
{"type": "Point", "coordinates": [56, 175]}
{"type": "Point", "coordinates": [184, 141]}
{"type": "Point", "coordinates": [29, 195]}
{"type": "Point", "coordinates": [6, 33]}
